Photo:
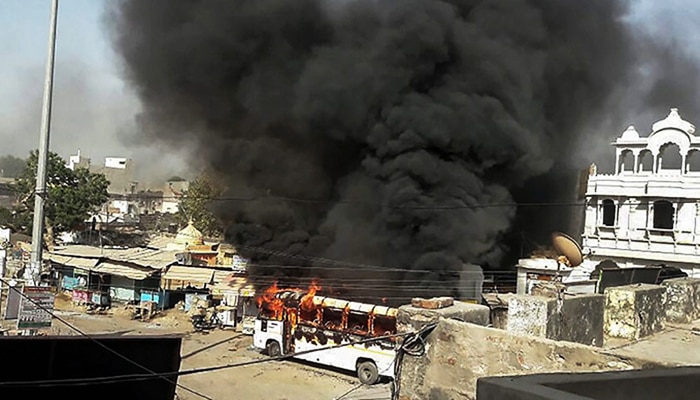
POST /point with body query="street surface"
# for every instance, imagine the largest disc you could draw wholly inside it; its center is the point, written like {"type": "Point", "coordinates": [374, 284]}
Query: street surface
{"type": "Point", "coordinates": [272, 380]}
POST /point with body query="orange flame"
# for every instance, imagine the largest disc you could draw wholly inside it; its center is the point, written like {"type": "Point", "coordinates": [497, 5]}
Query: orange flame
{"type": "Point", "coordinates": [269, 302]}
{"type": "Point", "coordinates": [307, 302]}
{"type": "Point", "coordinates": [309, 313]}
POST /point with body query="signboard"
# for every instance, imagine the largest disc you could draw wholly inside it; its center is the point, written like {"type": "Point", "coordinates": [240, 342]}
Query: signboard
{"type": "Point", "coordinates": [33, 314]}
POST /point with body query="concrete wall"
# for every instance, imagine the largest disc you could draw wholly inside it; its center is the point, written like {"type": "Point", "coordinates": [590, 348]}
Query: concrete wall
{"type": "Point", "coordinates": [634, 311]}
{"type": "Point", "coordinates": [653, 384]}
{"type": "Point", "coordinates": [458, 353]}
{"type": "Point", "coordinates": [682, 300]}
{"type": "Point", "coordinates": [575, 318]}
{"type": "Point", "coordinates": [409, 318]}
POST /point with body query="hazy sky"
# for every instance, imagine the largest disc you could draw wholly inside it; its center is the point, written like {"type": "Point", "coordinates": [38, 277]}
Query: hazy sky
{"type": "Point", "coordinates": [93, 108]}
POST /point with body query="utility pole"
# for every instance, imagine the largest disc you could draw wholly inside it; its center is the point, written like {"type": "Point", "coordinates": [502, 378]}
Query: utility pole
{"type": "Point", "coordinates": [32, 274]}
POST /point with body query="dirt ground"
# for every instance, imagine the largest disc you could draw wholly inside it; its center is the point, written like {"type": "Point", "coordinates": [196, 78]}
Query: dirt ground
{"type": "Point", "coordinates": [291, 380]}
{"type": "Point", "coordinates": [280, 380]}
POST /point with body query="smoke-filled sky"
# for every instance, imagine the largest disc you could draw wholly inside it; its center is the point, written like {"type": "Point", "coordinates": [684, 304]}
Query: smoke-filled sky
{"type": "Point", "coordinates": [396, 110]}
{"type": "Point", "coordinates": [397, 107]}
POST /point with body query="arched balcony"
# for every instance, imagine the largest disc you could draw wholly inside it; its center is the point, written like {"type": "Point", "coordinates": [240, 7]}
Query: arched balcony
{"type": "Point", "coordinates": [625, 163]}
{"type": "Point", "coordinates": [692, 161]}
{"type": "Point", "coordinates": [646, 162]}
{"type": "Point", "coordinates": [670, 160]}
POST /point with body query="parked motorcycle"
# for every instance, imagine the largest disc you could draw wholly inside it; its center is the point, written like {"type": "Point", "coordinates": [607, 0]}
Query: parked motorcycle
{"type": "Point", "coordinates": [204, 323]}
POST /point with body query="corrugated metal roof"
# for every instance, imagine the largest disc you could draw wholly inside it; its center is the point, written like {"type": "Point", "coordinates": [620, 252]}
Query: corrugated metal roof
{"type": "Point", "coordinates": [221, 276]}
{"type": "Point", "coordinates": [80, 262]}
{"type": "Point", "coordinates": [130, 272]}
{"type": "Point", "coordinates": [238, 284]}
{"type": "Point", "coordinates": [143, 256]}
{"type": "Point", "coordinates": [189, 274]}
{"type": "Point", "coordinates": [161, 242]}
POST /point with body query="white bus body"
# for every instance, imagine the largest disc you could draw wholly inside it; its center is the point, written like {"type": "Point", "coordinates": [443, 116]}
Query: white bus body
{"type": "Point", "coordinates": [370, 360]}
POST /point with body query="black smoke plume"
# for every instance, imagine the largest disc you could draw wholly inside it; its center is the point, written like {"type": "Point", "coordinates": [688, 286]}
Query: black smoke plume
{"type": "Point", "coordinates": [397, 132]}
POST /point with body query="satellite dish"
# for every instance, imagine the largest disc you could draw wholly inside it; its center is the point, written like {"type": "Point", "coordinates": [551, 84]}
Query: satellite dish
{"type": "Point", "coordinates": [567, 247]}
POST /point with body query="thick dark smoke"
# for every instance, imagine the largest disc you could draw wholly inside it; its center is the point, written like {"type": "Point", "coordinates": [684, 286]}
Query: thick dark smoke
{"type": "Point", "coordinates": [402, 120]}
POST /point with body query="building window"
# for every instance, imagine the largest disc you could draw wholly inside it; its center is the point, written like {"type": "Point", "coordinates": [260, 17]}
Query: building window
{"type": "Point", "coordinates": [670, 157]}
{"type": "Point", "coordinates": [608, 212]}
{"type": "Point", "coordinates": [626, 161]}
{"type": "Point", "coordinates": [663, 214]}
{"type": "Point", "coordinates": [646, 161]}
{"type": "Point", "coordinates": [693, 161]}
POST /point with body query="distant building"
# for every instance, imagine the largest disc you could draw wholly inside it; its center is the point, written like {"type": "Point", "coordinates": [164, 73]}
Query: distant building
{"type": "Point", "coordinates": [172, 193]}
{"type": "Point", "coordinates": [127, 200]}
{"type": "Point", "coordinates": [77, 161]}
{"type": "Point", "coordinates": [121, 207]}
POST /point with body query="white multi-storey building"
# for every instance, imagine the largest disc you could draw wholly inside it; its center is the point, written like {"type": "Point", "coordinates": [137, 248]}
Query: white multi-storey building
{"type": "Point", "coordinates": [648, 211]}
{"type": "Point", "coordinates": [645, 213]}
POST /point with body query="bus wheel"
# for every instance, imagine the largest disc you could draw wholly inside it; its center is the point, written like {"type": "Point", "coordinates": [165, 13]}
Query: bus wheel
{"type": "Point", "coordinates": [273, 349]}
{"type": "Point", "coordinates": [367, 372]}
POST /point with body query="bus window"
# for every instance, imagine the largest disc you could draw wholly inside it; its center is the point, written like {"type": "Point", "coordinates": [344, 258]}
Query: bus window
{"type": "Point", "coordinates": [358, 323]}
{"type": "Point", "coordinates": [332, 318]}
{"type": "Point", "coordinates": [383, 325]}
{"type": "Point", "coordinates": [306, 315]}
{"type": "Point", "coordinates": [267, 313]}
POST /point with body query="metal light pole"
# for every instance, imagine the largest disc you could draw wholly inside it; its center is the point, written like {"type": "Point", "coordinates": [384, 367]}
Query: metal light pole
{"type": "Point", "coordinates": [32, 274]}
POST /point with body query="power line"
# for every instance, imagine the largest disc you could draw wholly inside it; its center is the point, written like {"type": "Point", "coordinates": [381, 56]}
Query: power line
{"type": "Point", "coordinates": [76, 329]}
{"type": "Point", "coordinates": [252, 199]}
{"type": "Point", "coordinates": [361, 281]}
{"type": "Point", "coordinates": [354, 267]}
{"type": "Point", "coordinates": [353, 202]}
{"type": "Point", "coordinates": [322, 260]}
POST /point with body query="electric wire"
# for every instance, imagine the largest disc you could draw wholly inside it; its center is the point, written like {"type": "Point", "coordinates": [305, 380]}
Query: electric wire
{"type": "Point", "coordinates": [353, 202]}
{"type": "Point", "coordinates": [356, 387]}
{"type": "Point", "coordinates": [339, 265]}
{"type": "Point", "coordinates": [116, 353]}
{"type": "Point", "coordinates": [414, 346]}
{"type": "Point", "coordinates": [300, 200]}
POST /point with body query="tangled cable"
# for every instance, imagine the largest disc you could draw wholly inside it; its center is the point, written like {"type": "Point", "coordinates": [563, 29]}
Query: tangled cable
{"type": "Point", "coordinates": [413, 345]}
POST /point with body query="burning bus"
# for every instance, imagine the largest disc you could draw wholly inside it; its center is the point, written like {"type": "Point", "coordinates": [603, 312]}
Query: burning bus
{"type": "Point", "coordinates": [291, 321]}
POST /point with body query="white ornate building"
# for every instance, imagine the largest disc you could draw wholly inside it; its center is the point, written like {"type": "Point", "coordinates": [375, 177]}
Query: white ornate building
{"type": "Point", "coordinates": [648, 211]}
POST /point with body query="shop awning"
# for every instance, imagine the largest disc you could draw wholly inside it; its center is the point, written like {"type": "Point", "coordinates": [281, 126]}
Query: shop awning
{"type": "Point", "coordinates": [189, 274]}
{"type": "Point", "coordinates": [220, 276]}
{"type": "Point", "coordinates": [130, 272]}
{"type": "Point", "coordinates": [77, 262]}
{"type": "Point", "coordinates": [235, 284]}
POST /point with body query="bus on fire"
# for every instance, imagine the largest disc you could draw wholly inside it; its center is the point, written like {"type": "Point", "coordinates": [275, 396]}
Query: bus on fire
{"type": "Point", "coordinates": [292, 321]}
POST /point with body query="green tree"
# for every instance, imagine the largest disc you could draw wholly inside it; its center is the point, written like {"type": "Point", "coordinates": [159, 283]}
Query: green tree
{"type": "Point", "coordinates": [71, 195]}
{"type": "Point", "coordinates": [11, 166]}
{"type": "Point", "coordinates": [195, 205]}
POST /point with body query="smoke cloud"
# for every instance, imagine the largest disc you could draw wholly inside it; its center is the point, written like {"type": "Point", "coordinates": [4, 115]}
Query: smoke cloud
{"type": "Point", "coordinates": [403, 124]}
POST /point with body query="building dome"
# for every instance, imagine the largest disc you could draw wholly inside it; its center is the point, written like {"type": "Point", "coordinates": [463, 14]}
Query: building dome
{"type": "Point", "coordinates": [630, 134]}
{"type": "Point", "coordinates": [189, 236]}
{"type": "Point", "coordinates": [673, 121]}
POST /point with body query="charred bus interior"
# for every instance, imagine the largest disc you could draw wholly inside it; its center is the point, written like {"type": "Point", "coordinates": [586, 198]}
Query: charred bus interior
{"type": "Point", "coordinates": [301, 309]}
